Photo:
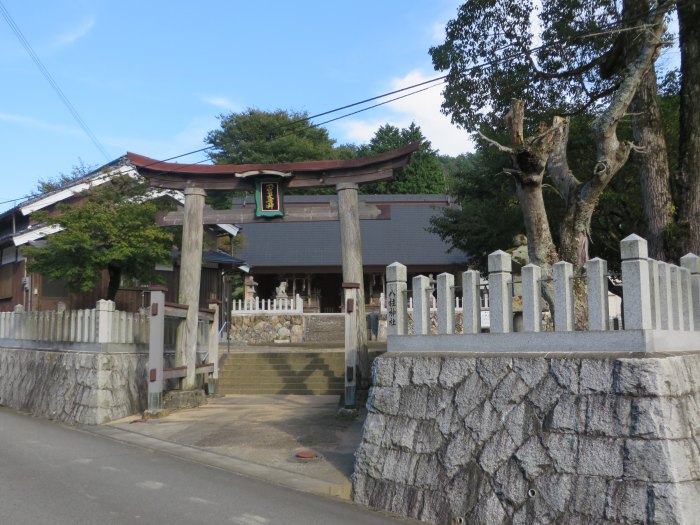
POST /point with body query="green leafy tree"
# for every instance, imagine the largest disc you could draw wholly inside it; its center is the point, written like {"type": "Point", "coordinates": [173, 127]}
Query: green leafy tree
{"type": "Point", "coordinates": [255, 136]}
{"type": "Point", "coordinates": [52, 184]}
{"type": "Point", "coordinates": [424, 174]}
{"type": "Point", "coordinates": [479, 186]}
{"type": "Point", "coordinates": [112, 229]}
{"type": "Point", "coordinates": [562, 77]}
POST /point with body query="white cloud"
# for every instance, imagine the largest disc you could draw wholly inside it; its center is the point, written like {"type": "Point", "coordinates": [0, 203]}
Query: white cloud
{"type": "Point", "coordinates": [32, 122]}
{"type": "Point", "coordinates": [75, 34]}
{"type": "Point", "coordinates": [221, 102]}
{"type": "Point", "coordinates": [190, 138]}
{"type": "Point", "coordinates": [422, 108]}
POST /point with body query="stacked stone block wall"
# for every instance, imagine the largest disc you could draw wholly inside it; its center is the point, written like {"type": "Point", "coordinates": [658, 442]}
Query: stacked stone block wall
{"type": "Point", "coordinates": [73, 387]}
{"type": "Point", "coordinates": [251, 329]}
{"type": "Point", "coordinates": [523, 440]}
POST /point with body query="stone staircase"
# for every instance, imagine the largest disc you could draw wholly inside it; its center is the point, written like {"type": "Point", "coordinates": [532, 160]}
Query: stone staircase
{"type": "Point", "coordinates": [324, 328]}
{"type": "Point", "coordinates": [292, 372]}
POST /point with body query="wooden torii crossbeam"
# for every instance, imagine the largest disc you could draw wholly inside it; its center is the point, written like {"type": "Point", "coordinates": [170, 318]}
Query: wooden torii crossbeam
{"type": "Point", "coordinates": [343, 175]}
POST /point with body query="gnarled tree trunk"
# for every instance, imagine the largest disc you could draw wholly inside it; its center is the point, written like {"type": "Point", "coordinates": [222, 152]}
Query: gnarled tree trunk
{"type": "Point", "coordinates": [652, 164]}
{"type": "Point", "coordinates": [687, 180]}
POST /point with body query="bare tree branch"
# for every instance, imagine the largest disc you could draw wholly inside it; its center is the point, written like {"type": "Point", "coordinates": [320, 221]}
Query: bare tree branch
{"type": "Point", "coordinates": [498, 145]}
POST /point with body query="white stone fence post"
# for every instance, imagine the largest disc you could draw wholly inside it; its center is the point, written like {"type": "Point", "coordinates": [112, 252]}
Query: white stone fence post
{"type": "Point", "coordinates": [656, 296]}
{"type": "Point", "coordinates": [268, 306]}
{"type": "Point", "coordinates": [102, 324]}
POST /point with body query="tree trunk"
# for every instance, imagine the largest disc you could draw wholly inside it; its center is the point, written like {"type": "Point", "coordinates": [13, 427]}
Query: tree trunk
{"type": "Point", "coordinates": [115, 279]}
{"type": "Point", "coordinates": [652, 164]}
{"type": "Point", "coordinates": [687, 183]}
{"type": "Point", "coordinates": [530, 162]}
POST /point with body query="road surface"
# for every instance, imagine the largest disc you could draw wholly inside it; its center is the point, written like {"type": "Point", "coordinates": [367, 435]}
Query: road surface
{"type": "Point", "coordinates": [55, 474]}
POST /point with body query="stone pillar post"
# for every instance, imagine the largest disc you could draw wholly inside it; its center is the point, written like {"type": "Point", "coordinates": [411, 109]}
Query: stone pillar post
{"type": "Point", "coordinates": [396, 321]}
{"type": "Point", "coordinates": [421, 305]}
{"type": "Point", "coordinates": [471, 301]}
{"type": "Point", "coordinates": [532, 298]}
{"type": "Point", "coordinates": [155, 348]}
{"type": "Point", "coordinates": [190, 277]}
{"type": "Point", "coordinates": [665, 309]}
{"type": "Point", "coordinates": [446, 303]}
{"type": "Point", "coordinates": [104, 311]}
{"type": "Point", "coordinates": [677, 297]}
{"type": "Point", "coordinates": [597, 275]}
{"type": "Point", "coordinates": [500, 292]}
{"type": "Point", "coordinates": [655, 293]}
{"type": "Point", "coordinates": [687, 296]}
{"type": "Point", "coordinates": [351, 254]}
{"type": "Point", "coordinates": [692, 263]}
{"type": "Point", "coordinates": [635, 282]}
{"type": "Point", "coordinates": [563, 273]}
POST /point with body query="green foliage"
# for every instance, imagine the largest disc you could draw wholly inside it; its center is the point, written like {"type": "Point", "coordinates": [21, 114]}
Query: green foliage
{"type": "Point", "coordinates": [52, 184]}
{"type": "Point", "coordinates": [492, 54]}
{"type": "Point", "coordinates": [487, 215]}
{"type": "Point", "coordinates": [112, 229]}
{"type": "Point", "coordinates": [254, 136]}
{"type": "Point", "coordinates": [424, 174]}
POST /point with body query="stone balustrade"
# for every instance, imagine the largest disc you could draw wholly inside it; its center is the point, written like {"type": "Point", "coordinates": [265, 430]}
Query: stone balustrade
{"type": "Point", "coordinates": [102, 324]}
{"type": "Point", "coordinates": [271, 306]}
{"type": "Point", "coordinates": [658, 298]}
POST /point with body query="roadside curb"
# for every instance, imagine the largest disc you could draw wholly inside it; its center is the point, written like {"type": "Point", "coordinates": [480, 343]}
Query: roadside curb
{"type": "Point", "coordinates": [247, 468]}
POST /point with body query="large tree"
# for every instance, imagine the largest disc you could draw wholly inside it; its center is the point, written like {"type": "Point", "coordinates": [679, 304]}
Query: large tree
{"type": "Point", "coordinates": [256, 136]}
{"type": "Point", "coordinates": [687, 180]}
{"type": "Point", "coordinates": [112, 229]}
{"type": "Point", "coordinates": [560, 78]}
{"type": "Point", "coordinates": [424, 174]}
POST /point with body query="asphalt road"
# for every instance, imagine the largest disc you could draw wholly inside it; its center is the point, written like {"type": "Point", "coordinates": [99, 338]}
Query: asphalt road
{"type": "Point", "coordinates": [55, 474]}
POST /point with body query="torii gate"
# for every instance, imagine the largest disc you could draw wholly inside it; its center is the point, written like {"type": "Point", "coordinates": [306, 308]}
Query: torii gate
{"type": "Point", "coordinates": [344, 175]}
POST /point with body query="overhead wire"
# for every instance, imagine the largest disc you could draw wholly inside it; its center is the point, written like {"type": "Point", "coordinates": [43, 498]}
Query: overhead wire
{"type": "Point", "coordinates": [52, 82]}
{"type": "Point", "coordinates": [430, 83]}
{"type": "Point", "coordinates": [599, 32]}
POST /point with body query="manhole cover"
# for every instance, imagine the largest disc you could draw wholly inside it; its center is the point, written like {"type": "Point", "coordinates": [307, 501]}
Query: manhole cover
{"type": "Point", "coordinates": [306, 455]}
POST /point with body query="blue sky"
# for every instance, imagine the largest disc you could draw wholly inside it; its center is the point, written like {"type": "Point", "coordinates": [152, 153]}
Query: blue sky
{"type": "Point", "coordinates": [152, 76]}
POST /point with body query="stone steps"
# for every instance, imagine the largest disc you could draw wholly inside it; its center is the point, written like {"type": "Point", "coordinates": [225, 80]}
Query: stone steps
{"type": "Point", "coordinates": [311, 373]}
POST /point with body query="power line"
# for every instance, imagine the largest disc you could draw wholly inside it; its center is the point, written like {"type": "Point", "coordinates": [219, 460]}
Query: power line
{"type": "Point", "coordinates": [52, 82]}
{"type": "Point", "coordinates": [608, 29]}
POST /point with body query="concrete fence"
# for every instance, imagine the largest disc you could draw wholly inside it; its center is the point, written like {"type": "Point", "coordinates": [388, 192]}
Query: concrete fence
{"type": "Point", "coordinates": [658, 298]}
{"type": "Point", "coordinates": [271, 306]}
{"type": "Point", "coordinates": [102, 324]}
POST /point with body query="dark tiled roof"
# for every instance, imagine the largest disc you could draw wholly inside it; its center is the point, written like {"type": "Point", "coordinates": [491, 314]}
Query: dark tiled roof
{"type": "Point", "coordinates": [403, 238]}
{"type": "Point", "coordinates": [214, 257]}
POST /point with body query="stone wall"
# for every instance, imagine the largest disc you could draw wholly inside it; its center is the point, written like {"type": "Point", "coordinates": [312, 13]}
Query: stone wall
{"type": "Point", "coordinates": [541, 439]}
{"type": "Point", "coordinates": [251, 329]}
{"type": "Point", "coordinates": [73, 387]}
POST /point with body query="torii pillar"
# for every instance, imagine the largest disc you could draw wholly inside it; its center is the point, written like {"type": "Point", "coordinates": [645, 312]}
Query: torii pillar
{"type": "Point", "coordinates": [344, 175]}
{"type": "Point", "coordinates": [351, 256]}
{"type": "Point", "coordinates": [190, 278]}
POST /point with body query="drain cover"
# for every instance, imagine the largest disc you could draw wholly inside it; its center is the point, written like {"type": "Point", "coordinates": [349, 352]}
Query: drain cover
{"type": "Point", "coordinates": [306, 455]}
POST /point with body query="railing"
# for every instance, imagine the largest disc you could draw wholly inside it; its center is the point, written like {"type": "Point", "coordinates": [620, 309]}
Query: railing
{"type": "Point", "coordinates": [102, 324]}
{"type": "Point", "coordinates": [657, 296]}
{"type": "Point", "coordinates": [271, 306]}
{"type": "Point", "coordinates": [458, 309]}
